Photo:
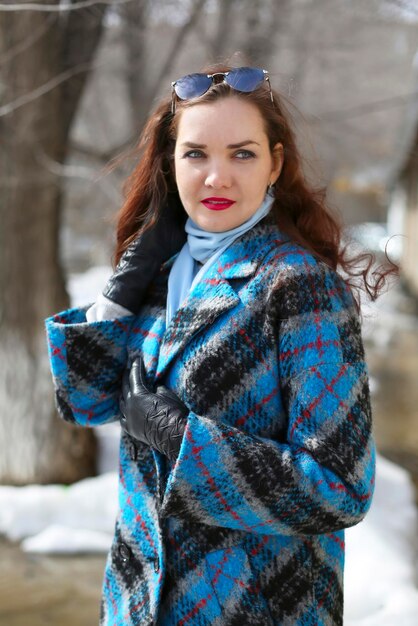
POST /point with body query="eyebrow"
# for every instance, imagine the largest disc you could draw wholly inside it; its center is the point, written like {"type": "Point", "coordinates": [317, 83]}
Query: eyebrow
{"type": "Point", "coordinates": [190, 144]}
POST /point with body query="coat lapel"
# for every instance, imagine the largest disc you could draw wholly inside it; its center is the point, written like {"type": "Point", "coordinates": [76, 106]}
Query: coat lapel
{"type": "Point", "coordinates": [213, 295]}
{"type": "Point", "coordinates": [208, 299]}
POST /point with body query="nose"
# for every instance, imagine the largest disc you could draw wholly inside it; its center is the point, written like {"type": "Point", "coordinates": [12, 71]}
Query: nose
{"type": "Point", "coordinates": [218, 175]}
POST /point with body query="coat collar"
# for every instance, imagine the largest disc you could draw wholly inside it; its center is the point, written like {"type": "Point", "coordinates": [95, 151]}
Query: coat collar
{"type": "Point", "coordinates": [214, 295]}
{"type": "Point", "coordinates": [243, 256]}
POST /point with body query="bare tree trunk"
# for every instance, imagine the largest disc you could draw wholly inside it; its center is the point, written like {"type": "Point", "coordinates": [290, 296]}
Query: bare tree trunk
{"type": "Point", "coordinates": [142, 91]}
{"type": "Point", "coordinates": [46, 59]}
{"type": "Point", "coordinates": [219, 44]}
{"type": "Point", "coordinates": [264, 24]}
{"type": "Point", "coordinates": [135, 21]}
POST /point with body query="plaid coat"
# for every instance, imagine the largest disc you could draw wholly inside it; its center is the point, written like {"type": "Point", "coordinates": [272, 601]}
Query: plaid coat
{"type": "Point", "coordinates": [277, 458]}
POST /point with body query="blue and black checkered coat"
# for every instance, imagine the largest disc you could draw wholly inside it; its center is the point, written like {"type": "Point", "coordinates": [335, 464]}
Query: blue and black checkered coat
{"type": "Point", "coordinates": [247, 526]}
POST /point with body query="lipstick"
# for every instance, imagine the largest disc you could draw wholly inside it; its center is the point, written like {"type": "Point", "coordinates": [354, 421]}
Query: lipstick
{"type": "Point", "coordinates": [217, 204]}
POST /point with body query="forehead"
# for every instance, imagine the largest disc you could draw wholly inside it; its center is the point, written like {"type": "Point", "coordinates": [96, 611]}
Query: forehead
{"type": "Point", "coordinates": [227, 119]}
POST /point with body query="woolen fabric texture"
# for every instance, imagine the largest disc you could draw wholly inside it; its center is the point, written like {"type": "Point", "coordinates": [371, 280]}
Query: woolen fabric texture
{"type": "Point", "coordinates": [277, 458]}
{"type": "Point", "coordinates": [205, 247]}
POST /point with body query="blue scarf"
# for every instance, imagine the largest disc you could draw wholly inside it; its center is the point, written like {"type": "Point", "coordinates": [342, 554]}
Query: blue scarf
{"type": "Point", "coordinates": [206, 247]}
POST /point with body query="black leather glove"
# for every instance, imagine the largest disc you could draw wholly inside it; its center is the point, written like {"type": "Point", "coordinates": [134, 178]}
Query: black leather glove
{"type": "Point", "coordinates": [157, 419]}
{"type": "Point", "coordinates": [141, 261]}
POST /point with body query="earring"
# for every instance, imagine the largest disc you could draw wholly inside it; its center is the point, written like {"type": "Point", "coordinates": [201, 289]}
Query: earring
{"type": "Point", "coordinates": [270, 188]}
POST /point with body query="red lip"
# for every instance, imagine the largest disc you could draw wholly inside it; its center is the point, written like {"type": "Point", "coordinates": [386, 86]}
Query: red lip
{"type": "Point", "coordinates": [217, 204]}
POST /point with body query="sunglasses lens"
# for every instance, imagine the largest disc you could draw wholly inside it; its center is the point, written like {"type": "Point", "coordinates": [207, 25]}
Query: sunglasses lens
{"type": "Point", "coordinates": [192, 86]}
{"type": "Point", "coordinates": [245, 78]}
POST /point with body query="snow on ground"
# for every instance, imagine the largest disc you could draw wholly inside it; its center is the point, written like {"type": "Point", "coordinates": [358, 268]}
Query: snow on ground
{"type": "Point", "coordinates": [380, 551]}
{"type": "Point", "coordinates": [381, 555]}
{"type": "Point", "coordinates": [60, 518]}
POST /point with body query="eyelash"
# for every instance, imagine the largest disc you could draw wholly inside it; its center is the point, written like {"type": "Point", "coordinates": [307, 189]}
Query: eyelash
{"type": "Point", "coordinates": [247, 152]}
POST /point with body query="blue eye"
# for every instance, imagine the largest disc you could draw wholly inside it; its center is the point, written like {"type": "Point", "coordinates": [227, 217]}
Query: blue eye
{"type": "Point", "coordinates": [247, 154]}
{"type": "Point", "coordinates": [193, 152]}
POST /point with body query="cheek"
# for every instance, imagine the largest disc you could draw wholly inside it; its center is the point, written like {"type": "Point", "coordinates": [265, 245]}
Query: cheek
{"type": "Point", "coordinates": [186, 176]}
{"type": "Point", "coordinates": [176, 167]}
{"type": "Point", "coordinates": [185, 185]}
{"type": "Point", "coordinates": [179, 177]}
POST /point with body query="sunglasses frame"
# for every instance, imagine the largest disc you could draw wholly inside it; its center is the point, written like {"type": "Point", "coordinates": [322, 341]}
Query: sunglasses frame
{"type": "Point", "coordinates": [212, 76]}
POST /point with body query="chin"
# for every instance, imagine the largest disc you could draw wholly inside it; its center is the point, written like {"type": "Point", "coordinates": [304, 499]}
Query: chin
{"type": "Point", "coordinates": [218, 227]}
{"type": "Point", "coordinates": [217, 222]}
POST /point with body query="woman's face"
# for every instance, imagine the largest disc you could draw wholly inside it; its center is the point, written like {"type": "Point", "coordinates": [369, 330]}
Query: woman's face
{"type": "Point", "coordinates": [223, 163]}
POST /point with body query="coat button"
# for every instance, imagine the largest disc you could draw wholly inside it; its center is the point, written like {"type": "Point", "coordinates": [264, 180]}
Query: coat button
{"type": "Point", "coordinates": [156, 565]}
{"type": "Point", "coordinates": [124, 552]}
{"type": "Point", "coordinates": [133, 452]}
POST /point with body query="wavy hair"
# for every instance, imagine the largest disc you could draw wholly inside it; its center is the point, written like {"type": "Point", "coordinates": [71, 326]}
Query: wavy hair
{"type": "Point", "coordinates": [300, 208]}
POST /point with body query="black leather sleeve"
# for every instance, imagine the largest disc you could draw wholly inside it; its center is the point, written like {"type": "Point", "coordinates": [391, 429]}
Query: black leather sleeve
{"type": "Point", "coordinates": [142, 259]}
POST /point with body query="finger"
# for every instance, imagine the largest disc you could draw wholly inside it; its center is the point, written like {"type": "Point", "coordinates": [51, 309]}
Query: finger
{"type": "Point", "coordinates": [137, 377]}
{"type": "Point", "coordinates": [163, 392]}
{"type": "Point", "coordinates": [170, 396]}
{"type": "Point", "coordinates": [125, 383]}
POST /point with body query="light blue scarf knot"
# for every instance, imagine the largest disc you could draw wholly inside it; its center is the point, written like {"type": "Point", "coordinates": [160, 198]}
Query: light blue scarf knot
{"type": "Point", "coordinates": [206, 247]}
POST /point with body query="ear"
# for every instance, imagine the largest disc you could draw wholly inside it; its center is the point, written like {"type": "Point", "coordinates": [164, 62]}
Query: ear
{"type": "Point", "coordinates": [277, 162]}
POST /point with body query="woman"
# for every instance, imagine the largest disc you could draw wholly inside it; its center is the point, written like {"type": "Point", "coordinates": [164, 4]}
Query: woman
{"type": "Point", "coordinates": [234, 361]}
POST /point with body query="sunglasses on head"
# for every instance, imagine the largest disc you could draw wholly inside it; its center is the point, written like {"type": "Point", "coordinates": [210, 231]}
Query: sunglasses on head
{"type": "Point", "coordinates": [244, 79]}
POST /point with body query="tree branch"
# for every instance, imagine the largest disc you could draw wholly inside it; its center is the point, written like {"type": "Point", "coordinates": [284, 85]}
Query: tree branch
{"type": "Point", "coordinates": [45, 88]}
{"type": "Point", "coordinates": [81, 36]}
{"type": "Point", "coordinates": [59, 8]}
{"type": "Point", "coordinates": [366, 108]}
{"type": "Point", "coordinates": [27, 42]}
{"type": "Point", "coordinates": [176, 46]}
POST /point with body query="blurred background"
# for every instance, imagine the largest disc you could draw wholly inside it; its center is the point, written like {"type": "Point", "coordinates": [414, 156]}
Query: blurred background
{"type": "Point", "coordinates": [77, 81]}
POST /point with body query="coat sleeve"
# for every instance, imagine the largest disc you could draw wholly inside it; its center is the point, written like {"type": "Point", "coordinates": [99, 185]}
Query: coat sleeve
{"type": "Point", "coordinates": [87, 361]}
{"type": "Point", "coordinates": [321, 477]}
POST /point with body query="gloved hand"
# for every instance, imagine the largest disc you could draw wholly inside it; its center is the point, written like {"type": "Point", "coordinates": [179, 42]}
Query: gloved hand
{"type": "Point", "coordinates": [155, 418]}
{"type": "Point", "coordinates": [141, 261]}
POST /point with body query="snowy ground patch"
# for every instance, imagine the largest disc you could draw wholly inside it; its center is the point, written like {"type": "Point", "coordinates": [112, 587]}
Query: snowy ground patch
{"type": "Point", "coordinates": [60, 519]}
{"type": "Point", "coordinates": [380, 571]}
{"type": "Point", "coordinates": [380, 551]}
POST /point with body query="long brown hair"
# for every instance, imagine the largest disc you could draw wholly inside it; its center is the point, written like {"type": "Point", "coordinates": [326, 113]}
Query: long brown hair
{"type": "Point", "coordinates": [300, 209]}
